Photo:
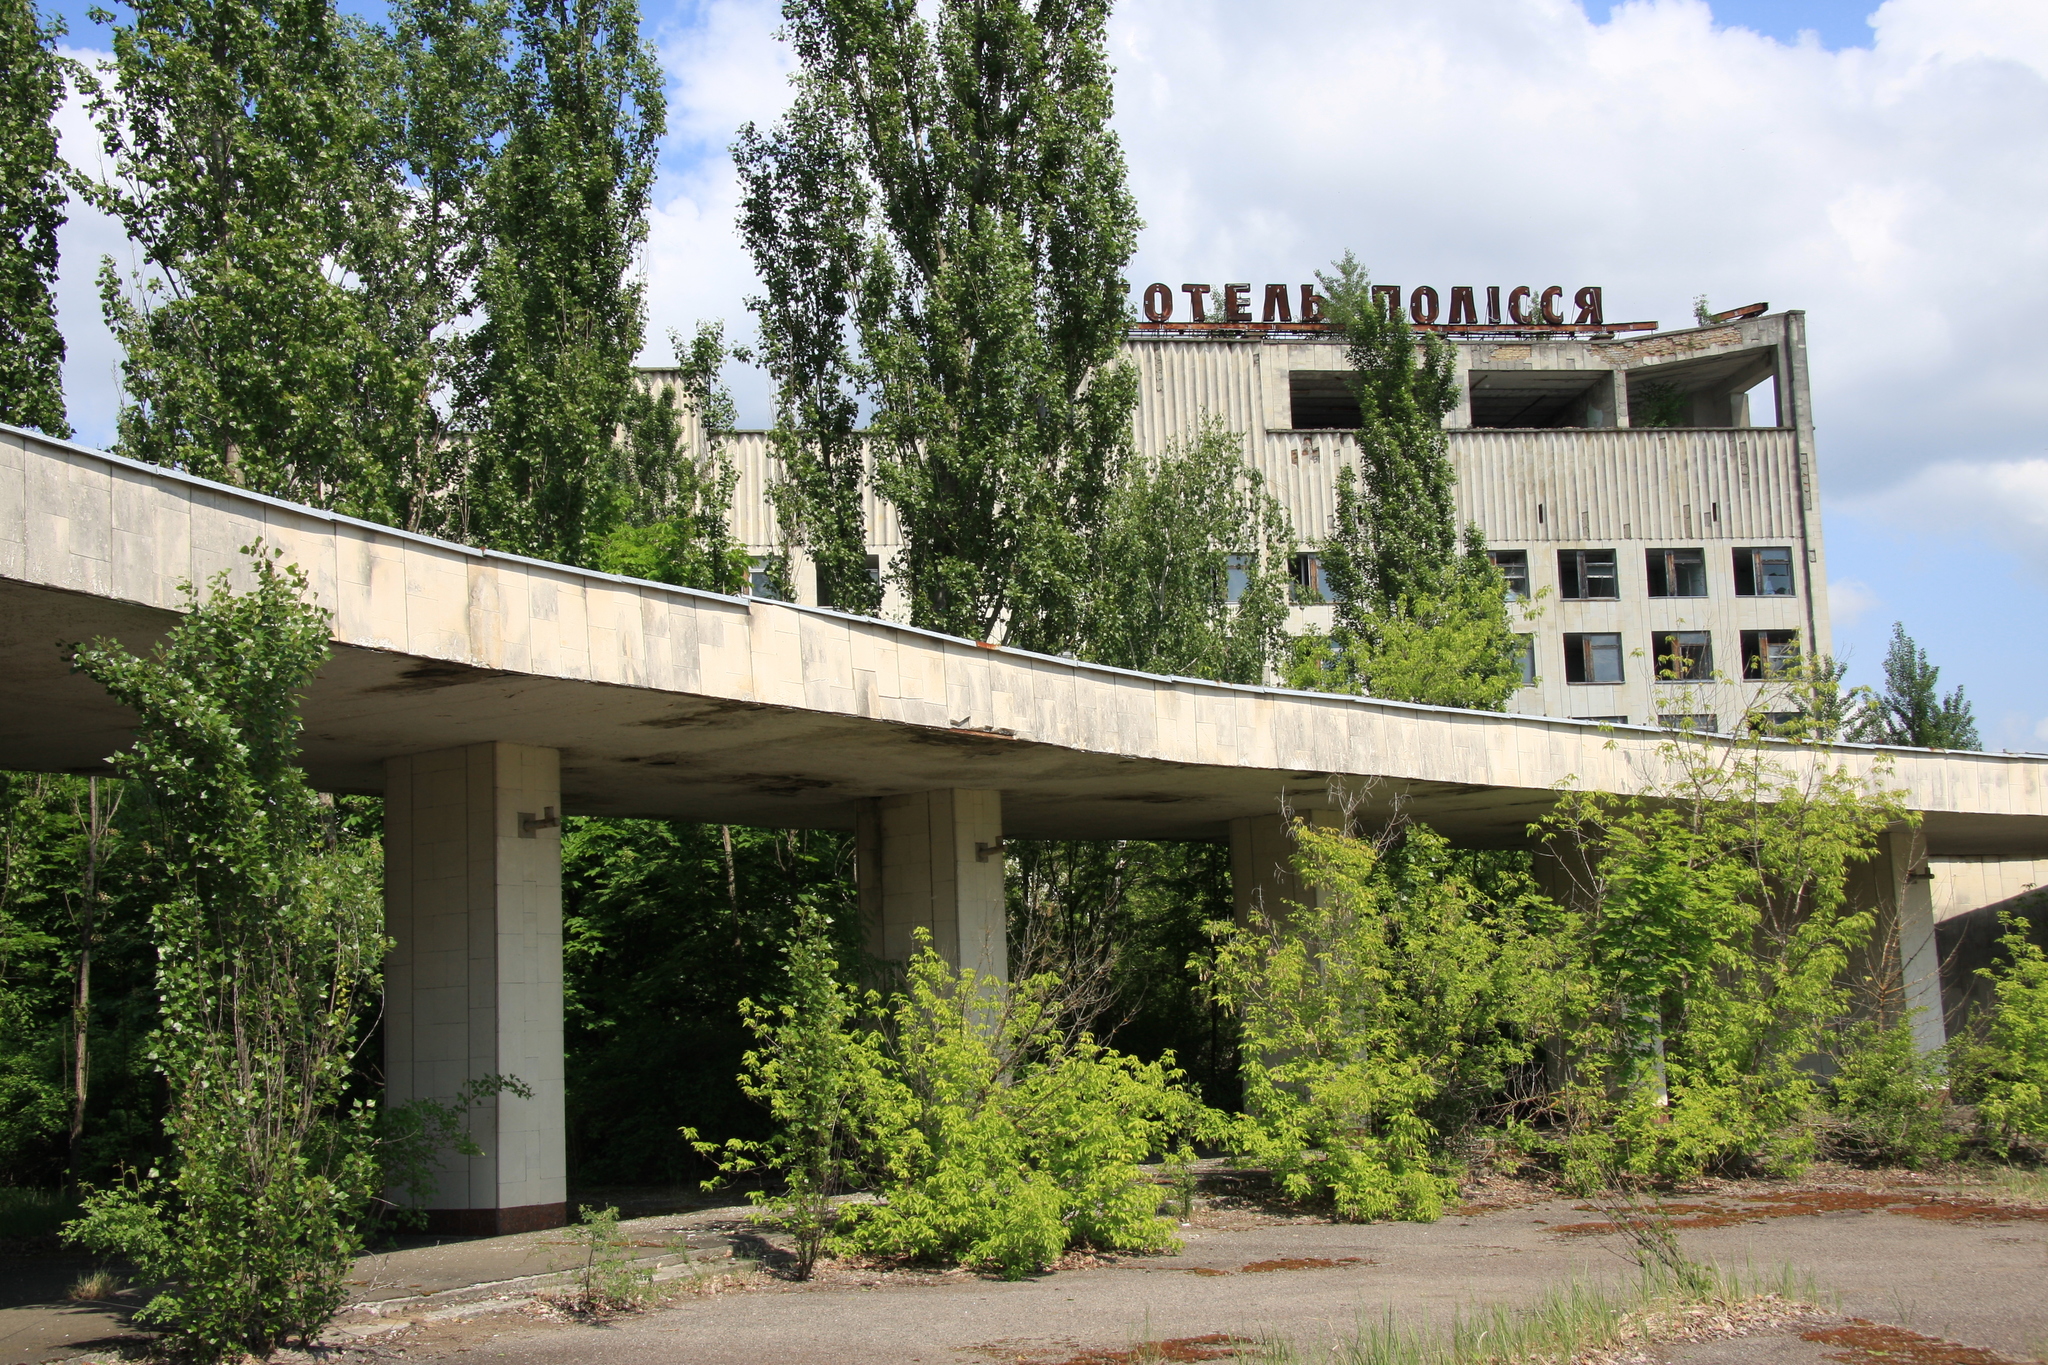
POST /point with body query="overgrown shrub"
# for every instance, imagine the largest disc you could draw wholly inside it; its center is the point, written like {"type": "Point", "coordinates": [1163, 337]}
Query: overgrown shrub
{"type": "Point", "coordinates": [268, 941]}
{"type": "Point", "coordinates": [1707, 937]}
{"type": "Point", "coordinates": [1885, 1101]}
{"type": "Point", "coordinates": [1376, 1021]}
{"type": "Point", "coordinates": [2011, 1067]}
{"type": "Point", "coordinates": [999, 1139]}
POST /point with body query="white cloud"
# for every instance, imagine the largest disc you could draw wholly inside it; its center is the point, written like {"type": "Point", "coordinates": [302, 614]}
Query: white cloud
{"type": "Point", "coordinates": [1850, 600]}
{"type": "Point", "coordinates": [2004, 501]}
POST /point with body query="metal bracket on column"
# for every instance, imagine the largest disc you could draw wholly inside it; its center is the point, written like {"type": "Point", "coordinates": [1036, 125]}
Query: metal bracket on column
{"type": "Point", "coordinates": [983, 852]}
{"type": "Point", "coordinates": [530, 825]}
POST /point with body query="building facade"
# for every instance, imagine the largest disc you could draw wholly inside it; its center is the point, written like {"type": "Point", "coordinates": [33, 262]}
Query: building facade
{"type": "Point", "coordinates": [1651, 497]}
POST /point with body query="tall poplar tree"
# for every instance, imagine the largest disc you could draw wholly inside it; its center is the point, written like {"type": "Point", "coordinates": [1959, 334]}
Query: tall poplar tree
{"type": "Point", "coordinates": [1911, 709]}
{"type": "Point", "coordinates": [241, 143]}
{"type": "Point", "coordinates": [32, 198]}
{"type": "Point", "coordinates": [953, 186]}
{"type": "Point", "coordinates": [1421, 612]}
{"type": "Point", "coordinates": [549, 379]}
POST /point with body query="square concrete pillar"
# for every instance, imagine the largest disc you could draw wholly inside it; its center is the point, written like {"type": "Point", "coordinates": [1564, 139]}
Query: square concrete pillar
{"type": "Point", "coordinates": [1899, 887]}
{"type": "Point", "coordinates": [934, 861]}
{"type": "Point", "coordinates": [1262, 875]}
{"type": "Point", "coordinates": [473, 987]}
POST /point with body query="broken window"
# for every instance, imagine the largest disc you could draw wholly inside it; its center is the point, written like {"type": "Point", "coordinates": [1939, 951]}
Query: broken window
{"type": "Point", "coordinates": [1307, 573]}
{"type": "Point", "coordinates": [1592, 658]}
{"type": "Point", "coordinates": [1769, 653]}
{"type": "Point", "coordinates": [1514, 567]}
{"type": "Point", "coordinates": [1763, 573]}
{"type": "Point", "coordinates": [1698, 722]}
{"type": "Point", "coordinates": [1528, 644]}
{"type": "Point", "coordinates": [875, 569]}
{"type": "Point", "coordinates": [1322, 400]}
{"type": "Point", "coordinates": [1237, 576]}
{"type": "Point", "coordinates": [1684, 655]}
{"type": "Point", "coordinates": [761, 580]}
{"type": "Point", "coordinates": [1678, 573]}
{"type": "Point", "coordinates": [1587, 574]}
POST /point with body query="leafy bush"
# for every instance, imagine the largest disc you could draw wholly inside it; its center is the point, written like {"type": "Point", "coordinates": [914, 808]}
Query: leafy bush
{"type": "Point", "coordinates": [1706, 940]}
{"type": "Point", "coordinates": [1375, 1021]}
{"type": "Point", "coordinates": [998, 1139]}
{"type": "Point", "coordinates": [1885, 1102]}
{"type": "Point", "coordinates": [268, 943]}
{"type": "Point", "coordinates": [2012, 1066]}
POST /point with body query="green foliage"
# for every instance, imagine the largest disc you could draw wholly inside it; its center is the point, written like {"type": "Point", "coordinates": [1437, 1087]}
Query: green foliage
{"type": "Point", "coordinates": [549, 378]}
{"type": "Point", "coordinates": [1181, 537]}
{"type": "Point", "coordinates": [949, 181]}
{"type": "Point", "coordinates": [415, 1138]}
{"type": "Point", "coordinates": [1885, 1100]}
{"type": "Point", "coordinates": [2013, 1066]}
{"type": "Point", "coordinates": [268, 943]}
{"type": "Point", "coordinates": [32, 198]}
{"type": "Point", "coordinates": [667, 926]}
{"type": "Point", "coordinates": [240, 143]}
{"type": "Point", "coordinates": [999, 1138]}
{"type": "Point", "coordinates": [811, 1070]}
{"type": "Point", "coordinates": [1911, 710]}
{"type": "Point", "coordinates": [1452, 647]}
{"type": "Point", "coordinates": [1421, 614]}
{"type": "Point", "coordinates": [1708, 928]}
{"type": "Point", "coordinates": [1376, 1021]}
{"type": "Point", "coordinates": [1659, 405]}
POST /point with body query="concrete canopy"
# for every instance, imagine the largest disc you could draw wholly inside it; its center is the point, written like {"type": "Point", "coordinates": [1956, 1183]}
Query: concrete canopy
{"type": "Point", "coordinates": [663, 701]}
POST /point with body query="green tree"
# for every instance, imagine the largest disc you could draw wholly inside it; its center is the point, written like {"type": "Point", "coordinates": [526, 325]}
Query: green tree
{"type": "Point", "coordinates": [268, 945]}
{"type": "Point", "coordinates": [964, 190]}
{"type": "Point", "coordinates": [32, 199]}
{"type": "Point", "coordinates": [1911, 709]}
{"type": "Point", "coordinates": [1192, 566]}
{"type": "Point", "coordinates": [241, 141]}
{"type": "Point", "coordinates": [1421, 613]}
{"type": "Point", "coordinates": [548, 382]}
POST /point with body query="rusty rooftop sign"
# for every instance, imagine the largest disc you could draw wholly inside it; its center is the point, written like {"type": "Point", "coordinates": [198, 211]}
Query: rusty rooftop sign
{"type": "Point", "coordinates": [1527, 310]}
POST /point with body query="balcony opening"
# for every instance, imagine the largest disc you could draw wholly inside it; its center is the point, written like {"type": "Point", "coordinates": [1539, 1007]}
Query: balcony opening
{"type": "Point", "coordinates": [1763, 572]}
{"type": "Point", "coordinates": [1711, 391]}
{"type": "Point", "coordinates": [1678, 573]}
{"type": "Point", "coordinates": [1592, 658]}
{"type": "Point", "coordinates": [1542, 398]}
{"type": "Point", "coordinates": [1584, 575]}
{"type": "Point", "coordinates": [1322, 400]}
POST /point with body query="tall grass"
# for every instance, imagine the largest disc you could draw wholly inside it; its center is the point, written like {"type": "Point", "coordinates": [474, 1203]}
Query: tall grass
{"type": "Point", "coordinates": [34, 1213]}
{"type": "Point", "coordinates": [1567, 1320]}
{"type": "Point", "coordinates": [2029, 1183]}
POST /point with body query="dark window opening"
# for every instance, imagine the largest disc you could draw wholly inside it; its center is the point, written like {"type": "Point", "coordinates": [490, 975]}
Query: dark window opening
{"type": "Point", "coordinates": [1307, 573]}
{"type": "Point", "coordinates": [1769, 653]}
{"type": "Point", "coordinates": [1528, 644]}
{"type": "Point", "coordinates": [1763, 573]}
{"type": "Point", "coordinates": [1592, 658]}
{"type": "Point", "coordinates": [1322, 400]}
{"type": "Point", "coordinates": [1685, 655]}
{"type": "Point", "coordinates": [875, 569]}
{"type": "Point", "coordinates": [1583, 574]}
{"type": "Point", "coordinates": [761, 576]}
{"type": "Point", "coordinates": [1604, 720]}
{"type": "Point", "coordinates": [1678, 573]}
{"type": "Point", "coordinates": [1788, 723]}
{"type": "Point", "coordinates": [1514, 567]}
{"type": "Point", "coordinates": [1698, 722]}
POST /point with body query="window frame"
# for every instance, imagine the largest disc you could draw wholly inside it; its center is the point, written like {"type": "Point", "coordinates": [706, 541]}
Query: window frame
{"type": "Point", "coordinates": [1515, 593]}
{"type": "Point", "coordinates": [1749, 568]}
{"type": "Point", "coordinates": [1578, 648]}
{"type": "Point", "coordinates": [1572, 574]}
{"type": "Point", "coordinates": [1757, 646]}
{"type": "Point", "coordinates": [1699, 668]}
{"type": "Point", "coordinates": [1661, 571]}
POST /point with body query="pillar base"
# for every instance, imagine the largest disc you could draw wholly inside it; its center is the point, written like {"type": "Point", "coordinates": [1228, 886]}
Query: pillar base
{"type": "Point", "coordinates": [497, 1222]}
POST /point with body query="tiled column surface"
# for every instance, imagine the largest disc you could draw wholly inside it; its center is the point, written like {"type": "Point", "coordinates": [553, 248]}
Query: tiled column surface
{"type": "Point", "coordinates": [1902, 955]}
{"type": "Point", "coordinates": [1262, 876]}
{"type": "Point", "coordinates": [474, 983]}
{"type": "Point", "coordinates": [933, 860]}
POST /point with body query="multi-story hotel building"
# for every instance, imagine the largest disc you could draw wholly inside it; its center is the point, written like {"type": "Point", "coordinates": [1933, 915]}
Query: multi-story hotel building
{"type": "Point", "coordinates": [1650, 495]}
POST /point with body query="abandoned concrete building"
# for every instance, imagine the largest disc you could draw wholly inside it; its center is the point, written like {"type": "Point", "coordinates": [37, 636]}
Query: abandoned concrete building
{"type": "Point", "coordinates": [1651, 496]}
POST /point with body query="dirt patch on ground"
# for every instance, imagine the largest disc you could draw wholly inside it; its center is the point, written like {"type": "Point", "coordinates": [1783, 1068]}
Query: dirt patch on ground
{"type": "Point", "coordinates": [1755, 1208]}
{"type": "Point", "coordinates": [1172, 1351]}
{"type": "Point", "coordinates": [1872, 1343]}
{"type": "Point", "coordinates": [1301, 1263]}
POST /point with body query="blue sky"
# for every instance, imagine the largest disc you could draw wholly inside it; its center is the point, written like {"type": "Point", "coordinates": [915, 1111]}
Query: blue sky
{"type": "Point", "coordinates": [1880, 166]}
